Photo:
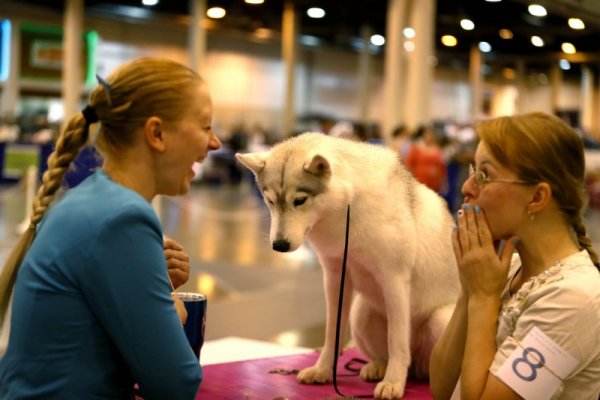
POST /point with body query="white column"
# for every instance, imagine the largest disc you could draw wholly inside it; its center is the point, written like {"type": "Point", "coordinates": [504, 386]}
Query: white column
{"type": "Point", "coordinates": [10, 92]}
{"type": "Point", "coordinates": [364, 75]}
{"type": "Point", "coordinates": [394, 67]}
{"type": "Point", "coordinates": [587, 98]}
{"type": "Point", "coordinates": [595, 128]}
{"type": "Point", "coordinates": [420, 67]}
{"type": "Point", "coordinates": [521, 87]}
{"type": "Point", "coordinates": [556, 77]}
{"type": "Point", "coordinates": [71, 73]}
{"type": "Point", "coordinates": [197, 35]}
{"type": "Point", "coordinates": [289, 60]}
{"type": "Point", "coordinates": [475, 80]}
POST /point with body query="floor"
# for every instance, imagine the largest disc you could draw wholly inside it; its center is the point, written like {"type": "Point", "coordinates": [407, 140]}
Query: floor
{"type": "Point", "coordinates": [253, 292]}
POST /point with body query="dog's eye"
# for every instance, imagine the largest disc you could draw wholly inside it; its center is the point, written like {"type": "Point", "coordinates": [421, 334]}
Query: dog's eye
{"type": "Point", "coordinates": [299, 201]}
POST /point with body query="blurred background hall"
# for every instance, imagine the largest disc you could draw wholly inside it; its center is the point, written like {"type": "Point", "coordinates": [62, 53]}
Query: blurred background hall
{"type": "Point", "coordinates": [400, 73]}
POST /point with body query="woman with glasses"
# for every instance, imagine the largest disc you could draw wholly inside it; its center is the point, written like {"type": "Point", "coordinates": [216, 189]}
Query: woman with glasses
{"type": "Point", "coordinates": [527, 322]}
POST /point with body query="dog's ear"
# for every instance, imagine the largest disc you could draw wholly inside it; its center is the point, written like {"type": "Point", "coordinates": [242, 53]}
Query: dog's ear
{"type": "Point", "coordinates": [255, 162]}
{"type": "Point", "coordinates": [318, 165]}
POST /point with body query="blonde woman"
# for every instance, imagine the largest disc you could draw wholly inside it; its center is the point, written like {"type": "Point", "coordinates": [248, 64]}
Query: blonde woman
{"type": "Point", "coordinates": [92, 311]}
{"type": "Point", "coordinates": [527, 322]}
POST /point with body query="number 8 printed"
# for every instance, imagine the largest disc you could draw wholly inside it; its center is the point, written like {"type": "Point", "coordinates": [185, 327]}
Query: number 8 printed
{"type": "Point", "coordinates": [533, 366]}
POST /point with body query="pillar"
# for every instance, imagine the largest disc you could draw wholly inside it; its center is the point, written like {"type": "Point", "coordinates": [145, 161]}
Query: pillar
{"type": "Point", "coordinates": [197, 36]}
{"type": "Point", "coordinates": [71, 71]}
{"type": "Point", "coordinates": [394, 67]}
{"type": "Point", "coordinates": [289, 51]}
{"type": "Point", "coordinates": [420, 68]}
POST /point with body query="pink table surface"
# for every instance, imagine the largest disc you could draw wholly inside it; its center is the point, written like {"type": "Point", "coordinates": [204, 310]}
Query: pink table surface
{"type": "Point", "coordinates": [251, 380]}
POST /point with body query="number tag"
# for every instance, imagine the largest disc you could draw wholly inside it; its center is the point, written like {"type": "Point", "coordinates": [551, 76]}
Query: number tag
{"type": "Point", "coordinates": [537, 366]}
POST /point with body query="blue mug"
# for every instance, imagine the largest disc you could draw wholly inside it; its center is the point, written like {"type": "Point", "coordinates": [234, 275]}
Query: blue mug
{"type": "Point", "coordinates": [195, 305]}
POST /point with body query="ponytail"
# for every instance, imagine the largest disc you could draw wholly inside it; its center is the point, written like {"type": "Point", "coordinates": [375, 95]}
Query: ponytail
{"type": "Point", "coordinates": [73, 138]}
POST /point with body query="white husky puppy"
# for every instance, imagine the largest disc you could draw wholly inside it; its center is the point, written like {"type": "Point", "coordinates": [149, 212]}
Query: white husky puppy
{"type": "Point", "coordinates": [400, 264]}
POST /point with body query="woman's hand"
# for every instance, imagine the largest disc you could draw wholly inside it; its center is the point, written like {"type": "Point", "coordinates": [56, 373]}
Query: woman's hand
{"type": "Point", "coordinates": [482, 272]}
{"type": "Point", "coordinates": [178, 262]}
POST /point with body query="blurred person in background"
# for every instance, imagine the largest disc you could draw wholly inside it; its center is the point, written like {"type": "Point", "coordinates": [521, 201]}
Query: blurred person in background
{"type": "Point", "coordinates": [426, 160]}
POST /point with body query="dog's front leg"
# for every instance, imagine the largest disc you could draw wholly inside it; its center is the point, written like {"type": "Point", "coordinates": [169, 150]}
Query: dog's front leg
{"type": "Point", "coordinates": [322, 371]}
{"type": "Point", "coordinates": [397, 295]}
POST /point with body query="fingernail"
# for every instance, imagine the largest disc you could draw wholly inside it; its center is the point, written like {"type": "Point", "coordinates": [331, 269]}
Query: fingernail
{"type": "Point", "coordinates": [468, 207]}
{"type": "Point", "coordinates": [477, 209]}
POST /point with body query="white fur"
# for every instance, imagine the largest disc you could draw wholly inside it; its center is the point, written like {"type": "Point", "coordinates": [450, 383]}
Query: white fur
{"type": "Point", "coordinates": [401, 267]}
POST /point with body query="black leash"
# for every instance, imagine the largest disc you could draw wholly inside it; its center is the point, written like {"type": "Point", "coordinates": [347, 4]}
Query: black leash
{"type": "Point", "coordinates": [339, 315]}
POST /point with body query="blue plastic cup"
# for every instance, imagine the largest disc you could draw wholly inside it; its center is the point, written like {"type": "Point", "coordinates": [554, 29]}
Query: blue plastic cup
{"type": "Point", "coordinates": [195, 305]}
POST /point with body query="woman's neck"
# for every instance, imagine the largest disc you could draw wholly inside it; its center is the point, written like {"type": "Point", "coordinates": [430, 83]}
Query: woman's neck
{"type": "Point", "coordinates": [132, 173]}
{"type": "Point", "coordinates": [545, 249]}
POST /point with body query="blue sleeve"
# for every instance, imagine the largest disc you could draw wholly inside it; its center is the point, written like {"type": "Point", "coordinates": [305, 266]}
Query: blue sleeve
{"type": "Point", "coordinates": [127, 288]}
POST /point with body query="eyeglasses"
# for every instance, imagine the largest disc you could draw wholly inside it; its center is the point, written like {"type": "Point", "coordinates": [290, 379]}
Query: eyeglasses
{"type": "Point", "coordinates": [481, 178]}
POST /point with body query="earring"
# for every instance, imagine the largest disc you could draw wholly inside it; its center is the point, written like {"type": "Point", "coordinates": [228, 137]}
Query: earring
{"type": "Point", "coordinates": [530, 215]}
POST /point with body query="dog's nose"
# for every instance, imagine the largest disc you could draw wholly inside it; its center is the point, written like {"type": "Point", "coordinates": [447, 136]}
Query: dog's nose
{"type": "Point", "coordinates": [281, 245]}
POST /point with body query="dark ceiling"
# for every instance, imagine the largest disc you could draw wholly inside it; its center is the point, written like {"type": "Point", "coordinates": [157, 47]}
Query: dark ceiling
{"type": "Point", "coordinates": [343, 21]}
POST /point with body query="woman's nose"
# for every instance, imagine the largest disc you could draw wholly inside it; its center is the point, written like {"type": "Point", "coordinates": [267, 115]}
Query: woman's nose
{"type": "Point", "coordinates": [469, 188]}
{"type": "Point", "coordinates": [215, 142]}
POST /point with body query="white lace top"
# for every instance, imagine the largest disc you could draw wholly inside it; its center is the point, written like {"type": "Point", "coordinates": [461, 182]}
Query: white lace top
{"type": "Point", "coordinates": [564, 303]}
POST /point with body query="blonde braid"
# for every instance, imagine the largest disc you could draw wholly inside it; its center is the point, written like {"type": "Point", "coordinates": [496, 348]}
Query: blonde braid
{"type": "Point", "coordinates": [70, 142]}
{"type": "Point", "coordinates": [584, 240]}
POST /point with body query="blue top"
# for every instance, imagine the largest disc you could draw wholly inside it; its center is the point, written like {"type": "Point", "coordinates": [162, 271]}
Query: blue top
{"type": "Point", "coordinates": [92, 311]}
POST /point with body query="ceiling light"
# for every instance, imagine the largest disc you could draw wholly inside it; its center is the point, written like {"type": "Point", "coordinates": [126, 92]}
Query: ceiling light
{"type": "Point", "coordinates": [564, 65]}
{"type": "Point", "coordinates": [505, 34]}
{"type": "Point", "coordinates": [449, 41]}
{"type": "Point", "coordinates": [315, 12]}
{"type": "Point", "coordinates": [254, 1]}
{"type": "Point", "coordinates": [149, 2]}
{"type": "Point", "coordinates": [467, 24]}
{"type": "Point", "coordinates": [377, 40]}
{"type": "Point", "coordinates": [537, 41]}
{"type": "Point", "coordinates": [485, 47]}
{"type": "Point", "coordinates": [409, 32]}
{"type": "Point", "coordinates": [537, 10]}
{"type": "Point", "coordinates": [568, 48]}
{"type": "Point", "coordinates": [576, 23]}
{"type": "Point", "coordinates": [493, 1]}
{"type": "Point", "coordinates": [215, 12]}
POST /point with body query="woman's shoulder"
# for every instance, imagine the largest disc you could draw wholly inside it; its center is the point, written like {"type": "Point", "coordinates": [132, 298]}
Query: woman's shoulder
{"type": "Point", "coordinates": [573, 282]}
{"type": "Point", "coordinates": [98, 201]}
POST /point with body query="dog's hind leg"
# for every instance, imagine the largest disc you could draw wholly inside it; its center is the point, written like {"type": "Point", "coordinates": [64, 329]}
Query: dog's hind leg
{"type": "Point", "coordinates": [369, 332]}
{"type": "Point", "coordinates": [425, 336]}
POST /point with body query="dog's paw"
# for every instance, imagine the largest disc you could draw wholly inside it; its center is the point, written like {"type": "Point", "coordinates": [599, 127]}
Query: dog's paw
{"type": "Point", "coordinates": [389, 390]}
{"type": "Point", "coordinates": [373, 371]}
{"type": "Point", "coordinates": [315, 374]}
